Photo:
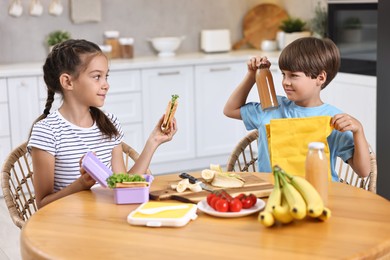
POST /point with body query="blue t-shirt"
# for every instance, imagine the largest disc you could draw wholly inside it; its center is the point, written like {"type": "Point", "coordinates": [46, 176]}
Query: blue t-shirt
{"type": "Point", "coordinates": [341, 144]}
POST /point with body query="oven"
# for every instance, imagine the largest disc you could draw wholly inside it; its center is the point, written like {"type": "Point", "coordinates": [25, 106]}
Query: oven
{"type": "Point", "coordinates": [352, 25]}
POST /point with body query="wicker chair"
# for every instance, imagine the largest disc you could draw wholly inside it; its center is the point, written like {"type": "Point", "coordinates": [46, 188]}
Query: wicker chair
{"type": "Point", "coordinates": [244, 158]}
{"type": "Point", "coordinates": [244, 155]}
{"type": "Point", "coordinates": [17, 186]}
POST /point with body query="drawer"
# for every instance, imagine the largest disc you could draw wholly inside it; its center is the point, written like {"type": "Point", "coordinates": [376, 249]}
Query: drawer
{"type": "Point", "coordinates": [124, 81]}
{"type": "Point", "coordinates": [3, 90]}
{"type": "Point", "coordinates": [4, 126]}
{"type": "Point", "coordinates": [126, 106]}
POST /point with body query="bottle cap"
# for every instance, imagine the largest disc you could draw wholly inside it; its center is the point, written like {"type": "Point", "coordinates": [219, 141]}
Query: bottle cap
{"type": "Point", "coordinates": [316, 145]}
{"type": "Point", "coordinates": [126, 41]}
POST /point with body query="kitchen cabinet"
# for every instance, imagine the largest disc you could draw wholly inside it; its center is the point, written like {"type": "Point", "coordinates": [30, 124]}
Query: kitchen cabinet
{"type": "Point", "coordinates": [23, 106]}
{"type": "Point", "coordinates": [5, 142]}
{"type": "Point", "coordinates": [216, 134]}
{"type": "Point", "coordinates": [124, 100]}
{"type": "Point", "coordinates": [158, 85]}
{"type": "Point", "coordinates": [356, 95]}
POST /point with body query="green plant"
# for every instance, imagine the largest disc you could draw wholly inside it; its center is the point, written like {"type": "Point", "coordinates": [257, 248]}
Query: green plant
{"type": "Point", "coordinates": [319, 22]}
{"type": "Point", "coordinates": [57, 37]}
{"type": "Point", "coordinates": [291, 25]}
{"type": "Point", "coordinates": [352, 23]}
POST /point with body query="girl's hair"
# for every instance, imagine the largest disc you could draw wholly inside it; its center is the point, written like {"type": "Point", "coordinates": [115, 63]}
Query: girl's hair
{"type": "Point", "coordinates": [72, 57]}
{"type": "Point", "coordinates": [311, 56]}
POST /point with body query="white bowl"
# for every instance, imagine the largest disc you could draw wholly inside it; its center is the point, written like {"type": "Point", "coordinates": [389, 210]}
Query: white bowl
{"type": "Point", "coordinates": [166, 46]}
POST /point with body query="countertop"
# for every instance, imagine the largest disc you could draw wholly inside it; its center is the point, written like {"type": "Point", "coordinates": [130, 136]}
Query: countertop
{"type": "Point", "coordinates": [197, 58]}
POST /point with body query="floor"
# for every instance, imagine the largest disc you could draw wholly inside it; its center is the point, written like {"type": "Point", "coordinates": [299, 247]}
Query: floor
{"type": "Point", "coordinates": [9, 235]}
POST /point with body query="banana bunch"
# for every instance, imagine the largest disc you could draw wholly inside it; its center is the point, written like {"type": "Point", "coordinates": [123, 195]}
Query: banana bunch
{"type": "Point", "coordinates": [292, 198]}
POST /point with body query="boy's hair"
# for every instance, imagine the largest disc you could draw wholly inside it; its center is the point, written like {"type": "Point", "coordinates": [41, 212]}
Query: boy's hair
{"type": "Point", "coordinates": [311, 56]}
{"type": "Point", "coordinates": [72, 57]}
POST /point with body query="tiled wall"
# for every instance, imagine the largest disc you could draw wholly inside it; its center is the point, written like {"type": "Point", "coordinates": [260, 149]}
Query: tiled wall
{"type": "Point", "coordinates": [22, 39]}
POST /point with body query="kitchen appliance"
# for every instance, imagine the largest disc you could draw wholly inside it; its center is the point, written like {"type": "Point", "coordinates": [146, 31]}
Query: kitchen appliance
{"type": "Point", "coordinates": [352, 25]}
{"type": "Point", "coordinates": [215, 40]}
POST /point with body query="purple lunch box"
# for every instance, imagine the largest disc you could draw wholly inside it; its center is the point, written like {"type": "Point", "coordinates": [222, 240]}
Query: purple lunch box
{"type": "Point", "coordinates": [100, 172]}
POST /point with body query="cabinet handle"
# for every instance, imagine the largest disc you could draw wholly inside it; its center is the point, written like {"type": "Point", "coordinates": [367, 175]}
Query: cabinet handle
{"type": "Point", "coordinates": [220, 69]}
{"type": "Point", "coordinates": [168, 73]}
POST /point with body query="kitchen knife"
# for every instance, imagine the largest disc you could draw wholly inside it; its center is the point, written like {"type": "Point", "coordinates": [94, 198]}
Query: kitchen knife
{"type": "Point", "coordinates": [194, 180]}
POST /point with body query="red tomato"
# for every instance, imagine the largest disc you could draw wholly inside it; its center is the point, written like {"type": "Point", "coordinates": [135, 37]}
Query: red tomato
{"type": "Point", "coordinates": [209, 197]}
{"type": "Point", "coordinates": [240, 196]}
{"type": "Point", "coordinates": [246, 202]}
{"type": "Point", "coordinates": [222, 205]}
{"type": "Point", "coordinates": [235, 205]}
{"type": "Point", "coordinates": [213, 201]}
{"type": "Point", "coordinates": [253, 199]}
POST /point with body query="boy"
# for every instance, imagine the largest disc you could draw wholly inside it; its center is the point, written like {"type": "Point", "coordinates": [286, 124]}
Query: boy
{"type": "Point", "coordinates": [308, 65]}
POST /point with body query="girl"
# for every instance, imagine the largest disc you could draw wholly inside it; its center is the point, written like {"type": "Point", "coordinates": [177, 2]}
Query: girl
{"type": "Point", "coordinates": [78, 71]}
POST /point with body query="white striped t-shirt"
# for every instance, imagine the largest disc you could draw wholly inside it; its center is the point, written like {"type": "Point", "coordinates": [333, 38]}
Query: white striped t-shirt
{"type": "Point", "coordinates": [68, 143]}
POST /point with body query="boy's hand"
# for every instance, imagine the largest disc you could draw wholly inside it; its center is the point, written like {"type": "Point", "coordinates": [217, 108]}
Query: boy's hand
{"type": "Point", "coordinates": [345, 122]}
{"type": "Point", "coordinates": [255, 62]}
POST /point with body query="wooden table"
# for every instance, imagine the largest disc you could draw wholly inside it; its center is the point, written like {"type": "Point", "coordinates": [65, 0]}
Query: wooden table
{"type": "Point", "coordinates": [88, 225]}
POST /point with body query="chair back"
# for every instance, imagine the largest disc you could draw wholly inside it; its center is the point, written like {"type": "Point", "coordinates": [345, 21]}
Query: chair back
{"type": "Point", "coordinates": [348, 176]}
{"type": "Point", "coordinates": [130, 156]}
{"type": "Point", "coordinates": [244, 156]}
{"type": "Point", "coordinates": [17, 182]}
{"type": "Point", "coordinates": [17, 186]}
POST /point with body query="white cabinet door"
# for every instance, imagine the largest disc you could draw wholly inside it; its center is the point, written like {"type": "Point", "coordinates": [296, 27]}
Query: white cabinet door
{"type": "Point", "coordinates": [215, 133]}
{"type": "Point", "coordinates": [23, 107]}
{"type": "Point", "coordinates": [355, 95]}
{"type": "Point", "coordinates": [158, 85]}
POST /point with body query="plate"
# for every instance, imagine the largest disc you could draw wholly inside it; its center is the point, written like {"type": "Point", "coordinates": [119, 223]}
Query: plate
{"type": "Point", "coordinates": [203, 206]}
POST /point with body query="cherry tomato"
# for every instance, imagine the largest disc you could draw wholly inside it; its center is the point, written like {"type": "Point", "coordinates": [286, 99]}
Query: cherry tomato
{"type": "Point", "coordinates": [209, 197]}
{"type": "Point", "coordinates": [253, 199]}
{"type": "Point", "coordinates": [222, 205]}
{"type": "Point", "coordinates": [240, 196]}
{"type": "Point", "coordinates": [246, 202]}
{"type": "Point", "coordinates": [235, 205]}
{"type": "Point", "coordinates": [214, 201]}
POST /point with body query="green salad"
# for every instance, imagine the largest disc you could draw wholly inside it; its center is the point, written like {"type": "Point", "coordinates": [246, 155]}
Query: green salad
{"type": "Point", "coordinates": [123, 177]}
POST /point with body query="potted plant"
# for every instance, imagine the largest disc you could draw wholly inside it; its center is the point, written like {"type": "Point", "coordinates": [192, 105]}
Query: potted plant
{"type": "Point", "coordinates": [292, 29]}
{"type": "Point", "coordinates": [352, 27]}
{"type": "Point", "coordinates": [319, 22]}
{"type": "Point", "coordinates": [57, 37]}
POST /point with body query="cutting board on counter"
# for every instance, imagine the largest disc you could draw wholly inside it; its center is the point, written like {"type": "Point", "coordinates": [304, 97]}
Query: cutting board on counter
{"type": "Point", "coordinates": [262, 22]}
{"type": "Point", "coordinates": [253, 184]}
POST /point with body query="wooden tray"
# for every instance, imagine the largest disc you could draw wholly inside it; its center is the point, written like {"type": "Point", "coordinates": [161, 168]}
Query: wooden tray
{"type": "Point", "coordinates": [253, 184]}
{"type": "Point", "coordinates": [261, 23]}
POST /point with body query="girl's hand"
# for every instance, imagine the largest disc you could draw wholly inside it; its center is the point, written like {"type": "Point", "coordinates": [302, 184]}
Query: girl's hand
{"type": "Point", "coordinates": [86, 180]}
{"type": "Point", "coordinates": [345, 122]}
{"type": "Point", "coordinates": [159, 136]}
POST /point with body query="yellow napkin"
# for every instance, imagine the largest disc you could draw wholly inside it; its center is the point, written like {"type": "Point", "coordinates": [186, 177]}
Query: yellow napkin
{"type": "Point", "coordinates": [288, 140]}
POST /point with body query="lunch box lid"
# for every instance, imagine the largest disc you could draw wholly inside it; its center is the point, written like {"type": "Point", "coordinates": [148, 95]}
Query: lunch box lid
{"type": "Point", "coordinates": [98, 170]}
{"type": "Point", "coordinates": [169, 218]}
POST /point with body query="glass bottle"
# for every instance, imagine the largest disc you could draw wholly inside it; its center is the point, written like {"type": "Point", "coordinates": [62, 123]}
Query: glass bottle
{"type": "Point", "coordinates": [112, 38]}
{"type": "Point", "coordinates": [317, 169]}
{"type": "Point", "coordinates": [266, 88]}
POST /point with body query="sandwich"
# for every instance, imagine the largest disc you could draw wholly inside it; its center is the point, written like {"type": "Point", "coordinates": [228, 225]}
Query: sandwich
{"type": "Point", "coordinates": [169, 113]}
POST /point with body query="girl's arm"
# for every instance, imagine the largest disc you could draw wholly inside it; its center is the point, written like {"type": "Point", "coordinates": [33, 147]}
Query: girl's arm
{"type": "Point", "coordinates": [238, 98]}
{"type": "Point", "coordinates": [44, 179]}
{"type": "Point", "coordinates": [360, 161]}
{"type": "Point", "coordinates": [156, 138]}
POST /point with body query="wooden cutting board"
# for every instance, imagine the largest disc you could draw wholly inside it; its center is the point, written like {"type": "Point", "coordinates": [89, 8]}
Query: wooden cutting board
{"type": "Point", "coordinates": [261, 23]}
{"type": "Point", "coordinates": [253, 184]}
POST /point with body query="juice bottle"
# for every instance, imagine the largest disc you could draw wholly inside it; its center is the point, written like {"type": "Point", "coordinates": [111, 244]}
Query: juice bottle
{"type": "Point", "coordinates": [266, 88]}
{"type": "Point", "coordinates": [317, 169]}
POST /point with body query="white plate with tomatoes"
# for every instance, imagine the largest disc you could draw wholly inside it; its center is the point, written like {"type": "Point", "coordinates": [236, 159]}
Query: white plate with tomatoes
{"type": "Point", "coordinates": [206, 208]}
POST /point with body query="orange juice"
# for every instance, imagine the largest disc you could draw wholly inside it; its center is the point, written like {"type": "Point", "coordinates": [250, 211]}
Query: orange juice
{"type": "Point", "coordinates": [317, 169]}
{"type": "Point", "coordinates": [266, 88]}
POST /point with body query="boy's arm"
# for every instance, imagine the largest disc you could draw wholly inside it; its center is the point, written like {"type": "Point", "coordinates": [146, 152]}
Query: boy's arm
{"type": "Point", "coordinates": [360, 160]}
{"type": "Point", "coordinates": [238, 98]}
